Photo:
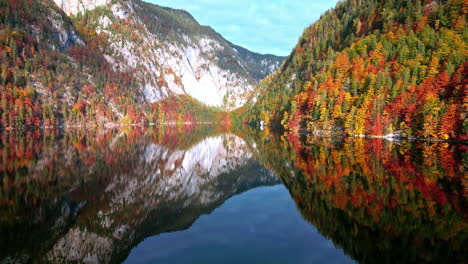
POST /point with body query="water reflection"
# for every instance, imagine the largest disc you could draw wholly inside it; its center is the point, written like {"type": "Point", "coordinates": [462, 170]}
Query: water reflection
{"type": "Point", "coordinates": [92, 196]}
{"type": "Point", "coordinates": [380, 201]}
{"type": "Point", "coordinates": [261, 225]}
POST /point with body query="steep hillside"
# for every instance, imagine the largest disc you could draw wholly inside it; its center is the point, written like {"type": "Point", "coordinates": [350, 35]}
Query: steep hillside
{"type": "Point", "coordinates": [258, 65]}
{"type": "Point", "coordinates": [120, 61]}
{"type": "Point", "coordinates": [173, 54]}
{"type": "Point", "coordinates": [375, 67]}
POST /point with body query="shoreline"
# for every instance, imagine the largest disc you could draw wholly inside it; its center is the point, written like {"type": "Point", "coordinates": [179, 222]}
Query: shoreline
{"type": "Point", "coordinates": [107, 125]}
{"type": "Point", "coordinates": [389, 137]}
{"type": "Point", "coordinates": [386, 137]}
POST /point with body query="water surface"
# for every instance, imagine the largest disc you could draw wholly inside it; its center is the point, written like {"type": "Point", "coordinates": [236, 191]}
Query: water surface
{"type": "Point", "coordinates": [206, 194]}
{"type": "Point", "coordinates": [259, 226]}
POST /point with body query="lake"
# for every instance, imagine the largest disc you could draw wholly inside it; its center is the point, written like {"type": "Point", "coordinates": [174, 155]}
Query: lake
{"type": "Point", "coordinates": [221, 194]}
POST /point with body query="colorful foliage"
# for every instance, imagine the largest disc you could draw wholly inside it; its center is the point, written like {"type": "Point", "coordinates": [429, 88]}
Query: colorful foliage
{"type": "Point", "coordinates": [373, 68]}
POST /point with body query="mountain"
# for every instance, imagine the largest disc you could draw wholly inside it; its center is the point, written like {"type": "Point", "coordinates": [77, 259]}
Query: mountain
{"type": "Point", "coordinates": [121, 61]}
{"type": "Point", "coordinates": [374, 67]}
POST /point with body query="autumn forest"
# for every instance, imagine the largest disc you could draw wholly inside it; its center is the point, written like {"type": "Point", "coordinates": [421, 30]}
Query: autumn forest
{"type": "Point", "coordinates": [131, 133]}
{"type": "Point", "coordinates": [375, 68]}
{"type": "Point", "coordinates": [365, 68]}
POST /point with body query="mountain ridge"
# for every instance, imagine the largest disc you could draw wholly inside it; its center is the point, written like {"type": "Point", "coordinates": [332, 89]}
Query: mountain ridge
{"type": "Point", "coordinates": [119, 62]}
{"type": "Point", "coordinates": [376, 68]}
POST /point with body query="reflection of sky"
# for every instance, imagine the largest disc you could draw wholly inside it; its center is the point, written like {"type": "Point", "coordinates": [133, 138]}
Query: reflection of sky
{"type": "Point", "coordinates": [259, 226]}
{"type": "Point", "coordinates": [265, 26]}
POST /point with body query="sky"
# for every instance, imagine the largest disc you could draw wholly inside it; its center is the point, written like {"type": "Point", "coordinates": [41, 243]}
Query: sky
{"type": "Point", "coordinates": [263, 26]}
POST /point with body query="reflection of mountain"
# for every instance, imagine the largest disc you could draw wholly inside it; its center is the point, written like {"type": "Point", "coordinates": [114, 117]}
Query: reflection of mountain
{"type": "Point", "coordinates": [93, 197]}
{"type": "Point", "coordinates": [379, 201]}
{"type": "Point", "coordinates": [136, 186]}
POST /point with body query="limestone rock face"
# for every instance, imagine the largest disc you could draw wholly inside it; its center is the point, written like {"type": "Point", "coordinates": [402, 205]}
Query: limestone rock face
{"type": "Point", "coordinates": [76, 6]}
{"type": "Point", "coordinates": [169, 53]}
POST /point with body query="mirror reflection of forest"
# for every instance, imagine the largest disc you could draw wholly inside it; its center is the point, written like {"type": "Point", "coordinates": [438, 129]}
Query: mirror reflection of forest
{"type": "Point", "coordinates": [96, 194]}
{"type": "Point", "coordinates": [381, 201]}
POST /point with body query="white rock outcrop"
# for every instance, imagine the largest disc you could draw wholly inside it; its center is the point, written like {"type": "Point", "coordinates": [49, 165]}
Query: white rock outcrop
{"type": "Point", "coordinates": [75, 6]}
{"type": "Point", "coordinates": [173, 63]}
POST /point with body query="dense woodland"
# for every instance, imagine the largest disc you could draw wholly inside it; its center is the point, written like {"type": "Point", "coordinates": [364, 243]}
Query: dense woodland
{"type": "Point", "coordinates": [367, 67]}
{"type": "Point", "coordinates": [375, 67]}
{"type": "Point", "coordinates": [50, 79]}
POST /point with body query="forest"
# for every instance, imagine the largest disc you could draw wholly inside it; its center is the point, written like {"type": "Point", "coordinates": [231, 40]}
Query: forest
{"type": "Point", "coordinates": [374, 67]}
{"type": "Point", "coordinates": [53, 73]}
{"type": "Point", "coordinates": [366, 67]}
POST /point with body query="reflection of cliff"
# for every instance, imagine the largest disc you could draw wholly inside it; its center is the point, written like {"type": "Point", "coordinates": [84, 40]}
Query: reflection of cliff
{"type": "Point", "coordinates": [118, 189]}
{"type": "Point", "coordinates": [379, 201]}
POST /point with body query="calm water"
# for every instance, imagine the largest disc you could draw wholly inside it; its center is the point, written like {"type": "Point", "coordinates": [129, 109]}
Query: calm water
{"type": "Point", "coordinates": [202, 194]}
{"type": "Point", "coordinates": [259, 226]}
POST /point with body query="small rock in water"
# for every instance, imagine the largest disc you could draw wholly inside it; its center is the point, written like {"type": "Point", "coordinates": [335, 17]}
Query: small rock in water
{"type": "Point", "coordinates": [397, 134]}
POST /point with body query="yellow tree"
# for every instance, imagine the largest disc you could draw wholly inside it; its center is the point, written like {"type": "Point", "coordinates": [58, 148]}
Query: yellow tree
{"type": "Point", "coordinates": [434, 67]}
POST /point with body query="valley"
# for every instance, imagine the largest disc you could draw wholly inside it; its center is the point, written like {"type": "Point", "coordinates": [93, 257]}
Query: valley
{"type": "Point", "coordinates": [132, 133]}
{"type": "Point", "coordinates": [96, 63]}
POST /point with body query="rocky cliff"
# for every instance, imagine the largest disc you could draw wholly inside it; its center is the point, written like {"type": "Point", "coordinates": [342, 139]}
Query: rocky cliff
{"type": "Point", "coordinates": [122, 61]}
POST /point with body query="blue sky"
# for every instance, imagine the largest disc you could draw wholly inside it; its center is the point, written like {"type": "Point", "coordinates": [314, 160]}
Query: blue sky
{"type": "Point", "coordinates": [265, 26]}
